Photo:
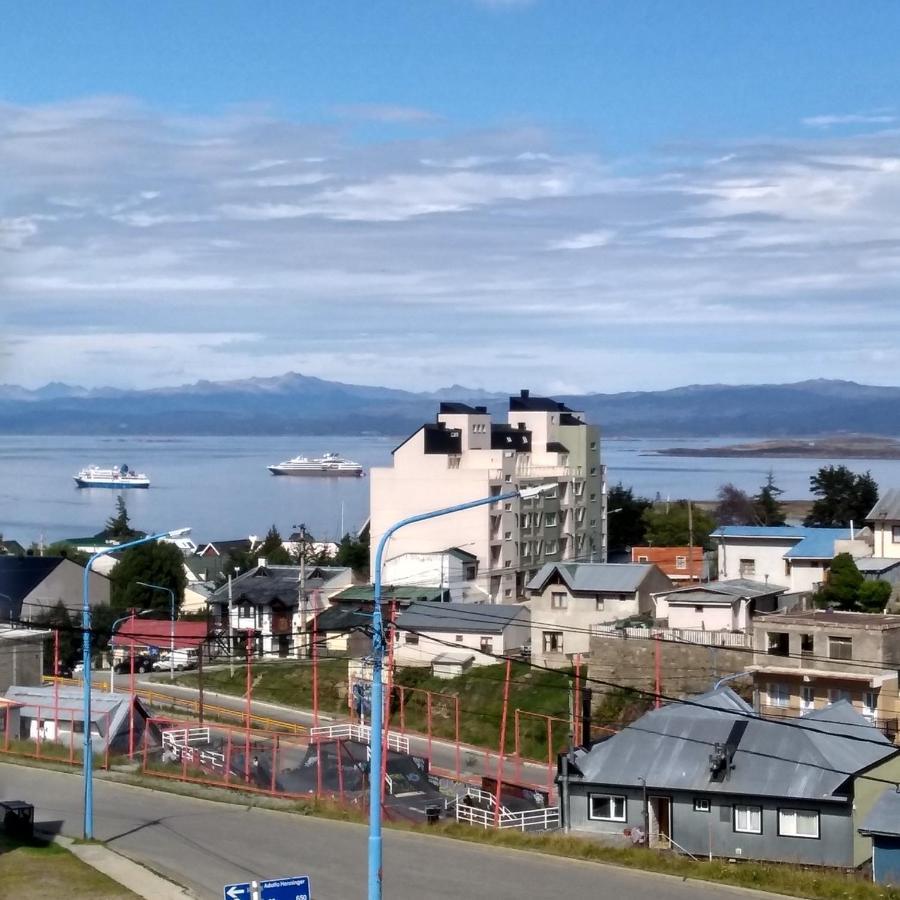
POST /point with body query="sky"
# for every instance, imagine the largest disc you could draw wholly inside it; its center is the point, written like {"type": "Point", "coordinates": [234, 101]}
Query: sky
{"type": "Point", "coordinates": [577, 195]}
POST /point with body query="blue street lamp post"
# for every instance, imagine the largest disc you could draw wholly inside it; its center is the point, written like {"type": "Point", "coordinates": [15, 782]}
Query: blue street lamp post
{"type": "Point", "coordinates": [87, 762]}
{"type": "Point", "coordinates": [378, 647]}
{"type": "Point", "coordinates": [171, 593]}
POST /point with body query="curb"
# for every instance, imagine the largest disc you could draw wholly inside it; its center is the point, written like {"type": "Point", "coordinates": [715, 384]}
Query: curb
{"type": "Point", "coordinates": [137, 878]}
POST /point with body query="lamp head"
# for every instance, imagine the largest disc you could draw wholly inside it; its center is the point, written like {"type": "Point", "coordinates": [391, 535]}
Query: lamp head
{"type": "Point", "coordinates": [535, 490]}
{"type": "Point", "coordinates": [178, 532]}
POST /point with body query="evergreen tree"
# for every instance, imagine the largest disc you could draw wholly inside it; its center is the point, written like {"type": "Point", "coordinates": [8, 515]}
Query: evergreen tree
{"type": "Point", "coordinates": [272, 549]}
{"type": "Point", "coordinates": [667, 525]}
{"type": "Point", "coordinates": [625, 521]}
{"type": "Point", "coordinates": [158, 563]}
{"type": "Point", "coordinates": [841, 590]}
{"type": "Point", "coordinates": [118, 527]}
{"type": "Point", "coordinates": [734, 507]}
{"type": "Point", "coordinates": [767, 508]}
{"type": "Point", "coordinates": [354, 553]}
{"type": "Point", "coordinates": [874, 596]}
{"type": "Point", "coordinates": [842, 497]}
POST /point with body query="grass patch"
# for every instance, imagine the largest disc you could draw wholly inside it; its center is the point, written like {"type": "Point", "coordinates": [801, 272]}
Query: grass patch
{"type": "Point", "coordinates": [40, 868]}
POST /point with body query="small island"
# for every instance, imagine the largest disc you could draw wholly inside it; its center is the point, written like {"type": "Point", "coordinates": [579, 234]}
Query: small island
{"type": "Point", "coordinates": [833, 447]}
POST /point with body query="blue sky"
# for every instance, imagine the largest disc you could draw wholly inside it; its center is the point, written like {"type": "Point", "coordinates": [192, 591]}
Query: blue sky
{"type": "Point", "coordinates": [575, 195]}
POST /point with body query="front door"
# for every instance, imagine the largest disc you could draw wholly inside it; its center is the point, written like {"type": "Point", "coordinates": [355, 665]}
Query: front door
{"type": "Point", "coordinates": [660, 810]}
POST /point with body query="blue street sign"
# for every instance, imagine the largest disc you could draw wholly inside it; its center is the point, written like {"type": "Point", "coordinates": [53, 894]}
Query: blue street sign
{"type": "Point", "coordinates": [239, 891]}
{"type": "Point", "coordinates": [293, 887]}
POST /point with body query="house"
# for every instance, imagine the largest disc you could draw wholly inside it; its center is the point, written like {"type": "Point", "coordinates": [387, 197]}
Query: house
{"type": "Point", "coordinates": [678, 563]}
{"type": "Point", "coordinates": [266, 601]}
{"type": "Point", "coordinates": [455, 569]}
{"type": "Point", "coordinates": [880, 568]}
{"type": "Point", "coordinates": [11, 548]}
{"type": "Point", "coordinates": [793, 556]}
{"type": "Point", "coordinates": [223, 549]}
{"type": "Point", "coordinates": [806, 660]}
{"type": "Point", "coordinates": [459, 634]}
{"type": "Point", "coordinates": [57, 714]}
{"type": "Point", "coordinates": [885, 521]}
{"type": "Point", "coordinates": [21, 656]}
{"type": "Point", "coordinates": [465, 456]}
{"type": "Point", "coordinates": [32, 585]}
{"type": "Point", "coordinates": [566, 599]}
{"type": "Point", "coordinates": [711, 778]}
{"type": "Point", "coordinates": [717, 605]}
{"type": "Point", "coordinates": [882, 825]}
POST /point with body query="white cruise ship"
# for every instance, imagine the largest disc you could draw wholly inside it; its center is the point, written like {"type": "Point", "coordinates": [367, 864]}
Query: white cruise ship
{"type": "Point", "coordinates": [328, 464]}
{"type": "Point", "coordinates": [116, 478]}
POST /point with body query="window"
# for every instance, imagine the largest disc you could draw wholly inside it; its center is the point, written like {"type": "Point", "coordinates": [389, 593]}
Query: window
{"type": "Point", "coordinates": [469, 571]}
{"type": "Point", "coordinates": [459, 639]}
{"type": "Point", "coordinates": [701, 804]}
{"type": "Point", "coordinates": [246, 611]}
{"type": "Point", "coordinates": [806, 643]}
{"type": "Point", "coordinates": [836, 694]}
{"type": "Point", "coordinates": [778, 695]}
{"type": "Point", "coordinates": [747, 568]}
{"type": "Point", "coordinates": [593, 498]}
{"type": "Point", "coordinates": [507, 535]}
{"type": "Point", "coordinates": [551, 547]}
{"type": "Point", "coordinates": [526, 548]}
{"type": "Point", "coordinates": [507, 478]}
{"type": "Point", "coordinates": [778, 643]}
{"type": "Point", "coordinates": [593, 522]}
{"type": "Point", "coordinates": [507, 564]}
{"type": "Point", "coordinates": [550, 494]}
{"type": "Point", "coordinates": [807, 697]}
{"type": "Point", "coordinates": [558, 600]}
{"type": "Point", "coordinates": [487, 645]}
{"type": "Point", "coordinates": [870, 705]}
{"type": "Point", "coordinates": [606, 807]}
{"type": "Point", "coordinates": [553, 642]}
{"type": "Point", "coordinates": [680, 562]}
{"type": "Point", "coordinates": [895, 534]}
{"type": "Point", "coordinates": [507, 592]}
{"type": "Point", "coordinates": [526, 520]}
{"type": "Point", "coordinates": [412, 639]}
{"type": "Point", "coordinates": [802, 823]}
{"type": "Point", "coordinates": [840, 647]}
{"type": "Point", "coordinates": [748, 819]}
{"type": "Point", "coordinates": [593, 445]}
{"type": "Point", "coordinates": [538, 519]}
{"type": "Point", "coordinates": [600, 604]}
{"type": "Point", "coordinates": [698, 609]}
{"type": "Point", "coordinates": [550, 519]}
{"type": "Point", "coordinates": [538, 548]}
{"type": "Point", "coordinates": [507, 506]}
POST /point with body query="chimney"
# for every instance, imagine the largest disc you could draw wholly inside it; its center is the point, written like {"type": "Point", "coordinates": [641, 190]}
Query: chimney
{"type": "Point", "coordinates": [523, 394]}
{"type": "Point", "coordinates": [261, 562]}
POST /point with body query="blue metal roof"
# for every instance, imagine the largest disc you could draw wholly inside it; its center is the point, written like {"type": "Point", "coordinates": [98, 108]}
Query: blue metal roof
{"type": "Point", "coordinates": [812, 543]}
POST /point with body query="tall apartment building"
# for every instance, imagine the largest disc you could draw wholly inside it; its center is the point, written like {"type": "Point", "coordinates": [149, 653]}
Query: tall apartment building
{"type": "Point", "coordinates": [465, 456]}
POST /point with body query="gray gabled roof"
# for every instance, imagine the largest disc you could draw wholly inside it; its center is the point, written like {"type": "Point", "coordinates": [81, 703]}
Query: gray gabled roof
{"type": "Point", "coordinates": [471, 618]}
{"type": "Point", "coordinates": [887, 507]}
{"type": "Point", "coordinates": [884, 816]}
{"type": "Point", "coordinates": [670, 747]}
{"type": "Point", "coordinates": [613, 577]}
{"type": "Point", "coordinates": [876, 564]}
{"type": "Point", "coordinates": [722, 591]}
{"type": "Point", "coordinates": [263, 584]}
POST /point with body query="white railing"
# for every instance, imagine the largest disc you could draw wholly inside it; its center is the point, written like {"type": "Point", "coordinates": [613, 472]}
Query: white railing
{"type": "Point", "coordinates": [678, 635]}
{"type": "Point", "coordinates": [179, 742]}
{"type": "Point", "coordinates": [360, 733]}
{"type": "Point", "coordinates": [544, 819]}
{"type": "Point", "coordinates": [186, 736]}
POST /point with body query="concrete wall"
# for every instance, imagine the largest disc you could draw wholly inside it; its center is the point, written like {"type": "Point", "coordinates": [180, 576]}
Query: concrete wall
{"type": "Point", "coordinates": [884, 543]}
{"type": "Point", "coordinates": [429, 646]}
{"type": "Point", "coordinates": [710, 617]}
{"type": "Point", "coordinates": [806, 574]}
{"type": "Point", "coordinates": [21, 661]}
{"type": "Point", "coordinates": [768, 557]}
{"type": "Point", "coordinates": [686, 668]}
{"type": "Point", "coordinates": [702, 833]}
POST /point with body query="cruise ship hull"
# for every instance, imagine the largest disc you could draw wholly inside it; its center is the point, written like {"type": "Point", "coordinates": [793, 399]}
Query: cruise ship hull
{"type": "Point", "coordinates": [316, 472]}
{"type": "Point", "coordinates": [113, 483]}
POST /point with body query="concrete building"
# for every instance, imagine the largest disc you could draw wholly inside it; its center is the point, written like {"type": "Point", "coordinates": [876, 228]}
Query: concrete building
{"type": "Point", "coordinates": [35, 584]}
{"type": "Point", "coordinates": [807, 660]}
{"type": "Point", "coordinates": [465, 456]}
{"type": "Point", "coordinates": [455, 636]}
{"type": "Point", "coordinates": [712, 779]}
{"type": "Point", "coordinates": [678, 563]}
{"type": "Point", "coordinates": [453, 569]}
{"type": "Point", "coordinates": [885, 521]}
{"type": "Point", "coordinates": [566, 599]}
{"type": "Point", "coordinates": [21, 656]}
{"type": "Point", "coordinates": [718, 605]}
{"type": "Point", "coordinates": [797, 558]}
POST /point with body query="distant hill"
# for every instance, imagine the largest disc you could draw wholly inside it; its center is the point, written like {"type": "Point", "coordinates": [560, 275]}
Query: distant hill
{"type": "Point", "coordinates": [300, 404]}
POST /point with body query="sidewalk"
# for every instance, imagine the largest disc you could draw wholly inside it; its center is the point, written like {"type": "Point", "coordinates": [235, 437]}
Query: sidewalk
{"type": "Point", "coordinates": [137, 878]}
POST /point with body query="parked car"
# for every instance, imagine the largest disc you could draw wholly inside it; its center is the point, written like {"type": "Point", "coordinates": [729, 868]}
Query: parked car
{"type": "Point", "coordinates": [142, 664]}
{"type": "Point", "coordinates": [184, 659]}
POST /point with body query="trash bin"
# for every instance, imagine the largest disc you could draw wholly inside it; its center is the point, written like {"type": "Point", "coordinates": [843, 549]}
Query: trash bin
{"type": "Point", "coordinates": [18, 819]}
{"type": "Point", "coordinates": [432, 814]}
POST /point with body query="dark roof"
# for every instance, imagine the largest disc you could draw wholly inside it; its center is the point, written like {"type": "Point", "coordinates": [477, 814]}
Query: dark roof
{"type": "Point", "coordinates": [439, 439]}
{"type": "Point", "coordinates": [810, 758]}
{"type": "Point", "coordinates": [12, 548]}
{"type": "Point", "coordinates": [223, 548]}
{"type": "Point", "coordinates": [887, 507]}
{"type": "Point", "coordinates": [614, 577]}
{"type": "Point", "coordinates": [508, 437]}
{"type": "Point", "coordinates": [19, 576]}
{"type": "Point", "coordinates": [344, 617]}
{"type": "Point", "coordinates": [261, 585]}
{"type": "Point", "coordinates": [141, 632]}
{"type": "Point", "coordinates": [451, 408]}
{"type": "Point", "coordinates": [469, 618]}
{"type": "Point", "coordinates": [567, 418]}
{"type": "Point", "coordinates": [884, 817]}
{"type": "Point", "coordinates": [556, 447]}
{"type": "Point", "coordinates": [402, 593]}
{"type": "Point", "coordinates": [526, 403]}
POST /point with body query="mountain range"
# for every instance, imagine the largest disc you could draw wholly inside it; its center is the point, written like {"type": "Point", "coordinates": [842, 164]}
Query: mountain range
{"type": "Point", "coordinates": [301, 404]}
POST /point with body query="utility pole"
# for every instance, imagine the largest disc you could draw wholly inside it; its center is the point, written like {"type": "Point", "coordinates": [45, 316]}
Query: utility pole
{"type": "Point", "coordinates": [302, 598]}
{"type": "Point", "coordinates": [230, 632]}
{"type": "Point", "coordinates": [690, 542]}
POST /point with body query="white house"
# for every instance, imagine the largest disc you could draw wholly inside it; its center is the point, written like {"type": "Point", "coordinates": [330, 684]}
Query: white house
{"type": "Point", "coordinates": [460, 634]}
{"type": "Point", "coordinates": [885, 519]}
{"type": "Point", "coordinates": [454, 569]}
{"type": "Point", "coordinates": [718, 605]}
{"type": "Point", "coordinates": [791, 556]}
{"type": "Point", "coordinates": [566, 599]}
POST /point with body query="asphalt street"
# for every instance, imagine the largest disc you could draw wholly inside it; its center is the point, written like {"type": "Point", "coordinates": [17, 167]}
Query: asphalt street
{"type": "Point", "coordinates": [205, 845]}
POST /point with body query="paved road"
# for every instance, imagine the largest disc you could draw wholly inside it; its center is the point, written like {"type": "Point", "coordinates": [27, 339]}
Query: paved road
{"type": "Point", "coordinates": [443, 753]}
{"type": "Point", "coordinates": [205, 845]}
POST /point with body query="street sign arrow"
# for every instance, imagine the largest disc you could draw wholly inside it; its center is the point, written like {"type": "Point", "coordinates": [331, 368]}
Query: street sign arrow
{"type": "Point", "coordinates": [239, 891]}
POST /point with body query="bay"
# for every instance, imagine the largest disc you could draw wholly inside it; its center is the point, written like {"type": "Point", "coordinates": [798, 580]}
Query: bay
{"type": "Point", "coordinates": [219, 486]}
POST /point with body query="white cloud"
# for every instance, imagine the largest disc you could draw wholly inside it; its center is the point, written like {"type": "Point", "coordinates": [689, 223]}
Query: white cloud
{"type": "Point", "coordinates": [246, 244]}
{"type": "Point", "coordinates": [385, 113]}
{"type": "Point", "coordinates": [832, 121]}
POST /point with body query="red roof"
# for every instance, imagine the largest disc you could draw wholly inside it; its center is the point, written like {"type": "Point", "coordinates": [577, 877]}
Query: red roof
{"type": "Point", "coordinates": [138, 632]}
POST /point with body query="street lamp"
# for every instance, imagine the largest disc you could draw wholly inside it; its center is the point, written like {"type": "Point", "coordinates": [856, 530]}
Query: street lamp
{"type": "Point", "coordinates": [112, 637]}
{"type": "Point", "coordinates": [377, 721]}
{"type": "Point", "coordinates": [171, 593]}
{"type": "Point", "coordinates": [88, 760]}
